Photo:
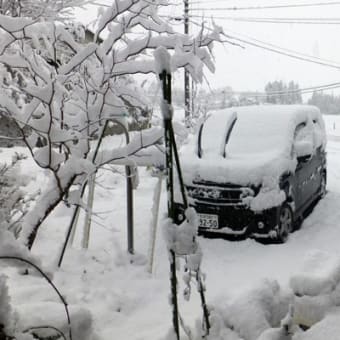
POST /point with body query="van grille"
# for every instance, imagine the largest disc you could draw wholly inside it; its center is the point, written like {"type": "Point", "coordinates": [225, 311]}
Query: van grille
{"type": "Point", "coordinates": [217, 195]}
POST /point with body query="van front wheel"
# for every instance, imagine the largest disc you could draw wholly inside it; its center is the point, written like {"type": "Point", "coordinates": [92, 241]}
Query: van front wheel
{"type": "Point", "coordinates": [322, 190]}
{"type": "Point", "coordinates": [285, 223]}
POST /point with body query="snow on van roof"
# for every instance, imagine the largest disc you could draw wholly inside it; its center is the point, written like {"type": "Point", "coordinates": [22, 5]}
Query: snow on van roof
{"type": "Point", "coordinates": [257, 128]}
{"type": "Point", "coordinates": [259, 146]}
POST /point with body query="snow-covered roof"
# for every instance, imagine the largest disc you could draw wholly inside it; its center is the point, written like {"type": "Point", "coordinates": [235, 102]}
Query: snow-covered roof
{"type": "Point", "coordinates": [244, 144]}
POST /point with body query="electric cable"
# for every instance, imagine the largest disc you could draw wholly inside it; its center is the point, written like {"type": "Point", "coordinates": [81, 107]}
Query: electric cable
{"type": "Point", "coordinates": [235, 8]}
{"type": "Point", "coordinates": [289, 18]}
{"type": "Point", "coordinates": [285, 49]}
{"type": "Point", "coordinates": [306, 21]}
{"type": "Point", "coordinates": [276, 50]}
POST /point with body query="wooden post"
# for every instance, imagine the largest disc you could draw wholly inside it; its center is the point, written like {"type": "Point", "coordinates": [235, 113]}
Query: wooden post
{"type": "Point", "coordinates": [88, 216]}
{"type": "Point", "coordinates": [155, 211]}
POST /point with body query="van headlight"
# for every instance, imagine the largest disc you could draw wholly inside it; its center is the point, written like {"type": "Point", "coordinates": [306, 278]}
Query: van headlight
{"type": "Point", "coordinates": [247, 192]}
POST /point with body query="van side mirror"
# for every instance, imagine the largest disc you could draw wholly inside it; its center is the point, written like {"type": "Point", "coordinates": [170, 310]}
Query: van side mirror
{"type": "Point", "coordinates": [303, 150]}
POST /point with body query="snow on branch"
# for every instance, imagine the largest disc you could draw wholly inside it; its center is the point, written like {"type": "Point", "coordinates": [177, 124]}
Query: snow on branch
{"type": "Point", "coordinates": [82, 55]}
{"type": "Point", "coordinates": [143, 140]}
{"type": "Point", "coordinates": [14, 25]}
{"type": "Point", "coordinates": [60, 10]}
{"type": "Point", "coordinates": [105, 17]}
{"type": "Point", "coordinates": [60, 90]}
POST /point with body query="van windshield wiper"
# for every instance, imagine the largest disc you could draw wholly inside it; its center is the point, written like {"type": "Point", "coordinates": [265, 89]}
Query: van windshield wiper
{"type": "Point", "coordinates": [199, 142]}
{"type": "Point", "coordinates": [228, 134]}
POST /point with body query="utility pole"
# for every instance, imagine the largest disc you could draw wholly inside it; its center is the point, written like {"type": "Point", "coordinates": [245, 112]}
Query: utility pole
{"type": "Point", "coordinates": [187, 102]}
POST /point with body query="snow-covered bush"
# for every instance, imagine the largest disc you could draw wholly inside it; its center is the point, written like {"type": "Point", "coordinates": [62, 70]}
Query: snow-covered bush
{"type": "Point", "coordinates": [6, 317]}
{"type": "Point", "coordinates": [310, 310]}
{"type": "Point", "coordinates": [317, 288]}
{"type": "Point", "coordinates": [328, 328]}
{"type": "Point", "coordinates": [65, 102]}
{"type": "Point", "coordinates": [41, 317]}
{"type": "Point", "coordinates": [14, 202]}
{"type": "Point", "coordinates": [248, 316]}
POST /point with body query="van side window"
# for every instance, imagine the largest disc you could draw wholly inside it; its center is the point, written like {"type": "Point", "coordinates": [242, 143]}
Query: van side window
{"type": "Point", "coordinates": [303, 140]}
{"type": "Point", "coordinates": [318, 133]}
{"type": "Point", "coordinates": [298, 130]}
{"type": "Point", "coordinates": [303, 132]}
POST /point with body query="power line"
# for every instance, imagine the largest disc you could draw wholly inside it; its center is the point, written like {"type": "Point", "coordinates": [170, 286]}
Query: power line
{"type": "Point", "coordinates": [277, 20]}
{"type": "Point", "coordinates": [275, 48]}
{"type": "Point", "coordinates": [290, 18]}
{"type": "Point", "coordinates": [292, 22]}
{"type": "Point", "coordinates": [287, 53]}
{"type": "Point", "coordinates": [286, 49]}
{"type": "Point", "coordinates": [235, 8]}
{"type": "Point", "coordinates": [238, 1]}
{"type": "Point", "coordinates": [212, 1]}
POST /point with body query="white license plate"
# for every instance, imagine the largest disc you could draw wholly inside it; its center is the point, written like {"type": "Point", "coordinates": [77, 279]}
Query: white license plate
{"type": "Point", "coordinates": [208, 221]}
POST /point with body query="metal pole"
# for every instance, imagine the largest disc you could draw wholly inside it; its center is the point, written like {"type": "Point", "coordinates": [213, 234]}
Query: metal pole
{"type": "Point", "coordinates": [166, 81]}
{"type": "Point", "coordinates": [129, 209]}
{"type": "Point", "coordinates": [129, 194]}
{"type": "Point", "coordinates": [187, 102]}
{"type": "Point", "coordinates": [72, 225]}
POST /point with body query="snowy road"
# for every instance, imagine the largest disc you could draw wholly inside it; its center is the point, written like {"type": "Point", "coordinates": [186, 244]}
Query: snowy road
{"type": "Point", "coordinates": [243, 262]}
{"type": "Point", "coordinates": [231, 267]}
{"type": "Point", "coordinates": [128, 303]}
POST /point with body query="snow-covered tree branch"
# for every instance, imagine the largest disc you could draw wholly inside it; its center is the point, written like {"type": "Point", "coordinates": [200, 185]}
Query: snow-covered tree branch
{"type": "Point", "coordinates": [48, 9]}
{"type": "Point", "coordinates": [60, 91]}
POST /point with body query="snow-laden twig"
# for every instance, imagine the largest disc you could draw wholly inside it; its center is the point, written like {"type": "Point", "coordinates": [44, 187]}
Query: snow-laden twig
{"type": "Point", "coordinates": [60, 91]}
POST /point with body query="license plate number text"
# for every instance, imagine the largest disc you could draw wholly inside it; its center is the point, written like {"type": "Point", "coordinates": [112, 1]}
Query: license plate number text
{"type": "Point", "coordinates": [208, 221]}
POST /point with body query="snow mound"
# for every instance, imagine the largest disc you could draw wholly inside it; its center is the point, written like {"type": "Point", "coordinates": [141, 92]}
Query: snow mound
{"type": "Point", "coordinates": [51, 313]}
{"type": "Point", "coordinates": [284, 332]}
{"type": "Point", "coordinates": [274, 334]}
{"type": "Point", "coordinates": [219, 329]}
{"type": "Point", "coordinates": [310, 310]}
{"type": "Point", "coordinates": [327, 329]}
{"type": "Point", "coordinates": [6, 319]}
{"type": "Point", "coordinates": [320, 274]}
{"type": "Point", "coordinates": [256, 311]}
{"type": "Point", "coordinates": [10, 247]}
{"type": "Point", "coordinates": [317, 287]}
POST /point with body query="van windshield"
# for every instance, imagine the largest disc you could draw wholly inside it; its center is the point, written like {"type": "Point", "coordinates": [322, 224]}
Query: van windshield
{"type": "Point", "coordinates": [251, 133]}
{"type": "Point", "coordinates": [253, 136]}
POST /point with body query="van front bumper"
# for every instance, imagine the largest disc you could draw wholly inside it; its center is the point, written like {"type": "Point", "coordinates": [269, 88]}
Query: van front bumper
{"type": "Point", "coordinates": [237, 222]}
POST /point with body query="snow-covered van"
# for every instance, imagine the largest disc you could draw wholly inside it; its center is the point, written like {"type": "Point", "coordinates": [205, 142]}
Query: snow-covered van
{"type": "Point", "coordinates": [253, 171]}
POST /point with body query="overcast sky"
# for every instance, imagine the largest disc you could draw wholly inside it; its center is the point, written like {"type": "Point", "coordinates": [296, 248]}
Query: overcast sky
{"type": "Point", "coordinates": [250, 68]}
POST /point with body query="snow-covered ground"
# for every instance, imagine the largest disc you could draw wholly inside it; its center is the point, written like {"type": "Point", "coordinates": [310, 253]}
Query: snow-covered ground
{"type": "Point", "coordinates": [127, 302]}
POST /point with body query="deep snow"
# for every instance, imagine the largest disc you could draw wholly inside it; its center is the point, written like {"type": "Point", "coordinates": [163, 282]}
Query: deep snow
{"type": "Point", "coordinates": [128, 303]}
